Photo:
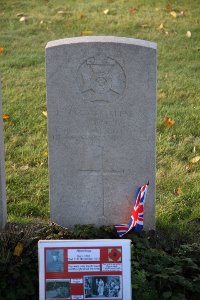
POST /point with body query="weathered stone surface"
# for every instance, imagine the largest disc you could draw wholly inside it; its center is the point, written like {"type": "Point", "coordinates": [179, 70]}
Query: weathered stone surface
{"type": "Point", "coordinates": [3, 213]}
{"type": "Point", "coordinates": [101, 97]}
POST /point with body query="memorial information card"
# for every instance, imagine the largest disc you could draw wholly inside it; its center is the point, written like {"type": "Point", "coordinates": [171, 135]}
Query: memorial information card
{"type": "Point", "coordinates": [85, 269]}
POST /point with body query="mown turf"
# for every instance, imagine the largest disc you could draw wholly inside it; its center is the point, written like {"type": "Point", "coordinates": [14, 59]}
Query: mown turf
{"type": "Point", "coordinates": [24, 96]}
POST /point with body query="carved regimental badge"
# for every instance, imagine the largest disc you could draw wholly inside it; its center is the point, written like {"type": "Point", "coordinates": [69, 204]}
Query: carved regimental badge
{"type": "Point", "coordinates": [101, 78]}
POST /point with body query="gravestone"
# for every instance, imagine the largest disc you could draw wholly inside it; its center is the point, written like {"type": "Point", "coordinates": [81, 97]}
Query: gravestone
{"type": "Point", "coordinates": [2, 174]}
{"type": "Point", "coordinates": [101, 98]}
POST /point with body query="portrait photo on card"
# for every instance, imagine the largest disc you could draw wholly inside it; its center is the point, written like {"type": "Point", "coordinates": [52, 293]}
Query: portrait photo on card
{"type": "Point", "coordinates": [57, 289]}
{"type": "Point", "coordinates": [54, 260]}
{"type": "Point", "coordinates": [107, 287]}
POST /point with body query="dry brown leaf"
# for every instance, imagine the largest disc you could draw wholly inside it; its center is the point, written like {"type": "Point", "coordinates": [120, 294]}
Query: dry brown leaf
{"type": "Point", "coordinates": [188, 34]}
{"type": "Point", "coordinates": [189, 167]}
{"type": "Point", "coordinates": [87, 32]}
{"type": "Point", "coordinates": [82, 15]}
{"type": "Point", "coordinates": [173, 14]}
{"type": "Point", "coordinates": [106, 11]}
{"type": "Point", "coordinates": [18, 249]}
{"type": "Point", "coordinates": [168, 122]}
{"type": "Point", "coordinates": [132, 10]}
{"type": "Point", "coordinates": [2, 50]}
{"type": "Point", "coordinates": [195, 159]}
{"type": "Point", "coordinates": [6, 117]}
{"type": "Point", "coordinates": [178, 191]}
{"type": "Point", "coordinates": [45, 113]}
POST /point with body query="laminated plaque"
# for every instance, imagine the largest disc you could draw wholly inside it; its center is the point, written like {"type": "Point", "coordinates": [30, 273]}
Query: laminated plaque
{"type": "Point", "coordinates": [82, 269]}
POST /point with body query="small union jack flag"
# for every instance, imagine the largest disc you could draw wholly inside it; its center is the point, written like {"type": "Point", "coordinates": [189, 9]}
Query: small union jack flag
{"type": "Point", "coordinates": [137, 215]}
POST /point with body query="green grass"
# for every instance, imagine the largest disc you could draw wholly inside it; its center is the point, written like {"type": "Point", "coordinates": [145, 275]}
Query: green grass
{"type": "Point", "coordinates": [24, 96]}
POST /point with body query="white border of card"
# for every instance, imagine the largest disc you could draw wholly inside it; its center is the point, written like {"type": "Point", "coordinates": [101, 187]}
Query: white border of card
{"type": "Point", "coordinates": [124, 280]}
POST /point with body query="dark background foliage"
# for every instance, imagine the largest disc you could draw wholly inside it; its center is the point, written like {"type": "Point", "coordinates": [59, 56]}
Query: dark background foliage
{"type": "Point", "coordinates": [165, 265]}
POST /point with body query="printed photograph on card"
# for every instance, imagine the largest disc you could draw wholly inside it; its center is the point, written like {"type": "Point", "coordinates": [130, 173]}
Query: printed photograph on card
{"type": "Point", "coordinates": [107, 287]}
{"type": "Point", "coordinates": [57, 289]}
{"type": "Point", "coordinates": [54, 260]}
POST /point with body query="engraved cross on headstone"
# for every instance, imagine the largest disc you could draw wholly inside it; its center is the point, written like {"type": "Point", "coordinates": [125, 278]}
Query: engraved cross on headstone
{"type": "Point", "coordinates": [102, 172]}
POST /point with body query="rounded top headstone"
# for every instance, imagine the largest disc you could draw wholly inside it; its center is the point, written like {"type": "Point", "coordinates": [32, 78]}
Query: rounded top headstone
{"type": "Point", "coordinates": [102, 39]}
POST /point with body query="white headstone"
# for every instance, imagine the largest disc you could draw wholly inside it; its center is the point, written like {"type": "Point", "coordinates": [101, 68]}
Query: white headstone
{"type": "Point", "coordinates": [3, 213]}
{"type": "Point", "coordinates": [101, 97]}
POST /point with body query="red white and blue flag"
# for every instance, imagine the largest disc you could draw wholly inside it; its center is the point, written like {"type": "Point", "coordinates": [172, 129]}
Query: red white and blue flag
{"type": "Point", "coordinates": [137, 215]}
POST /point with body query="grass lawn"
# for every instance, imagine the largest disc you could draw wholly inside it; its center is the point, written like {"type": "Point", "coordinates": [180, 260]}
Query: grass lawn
{"type": "Point", "coordinates": [174, 25]}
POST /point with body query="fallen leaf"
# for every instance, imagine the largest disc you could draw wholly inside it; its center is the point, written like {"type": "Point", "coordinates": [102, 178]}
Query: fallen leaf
{"type": "Point", "coordinates": [61, 12]}
{"type": "Point", "coordinates": [18, 249]}
{"type": "Point", "coordinates": [188, 34]}
{"type": "Point", "coordinates": [6, 116]}
{"type": "Point", "coordinates": [21, 14]}
{"type": "Point", "coordinates": [106, 11]}
{"type": "Point", "coordinates": [82, 15]}
{"type": "Point", "coordinates": [195, 159]}
{"type": "Point", "coordinates": [2, 50]}
{"type": "Point", "coordinates": [178, 191]}
{"type": "Point", "coordinates": [44, 113]}
{"type": "Point", "coordinates": [24, 168]}
{"type": "Point", "coordinates": [173, 13]}
{"type": "Point", "coordinates": [194, 149]}
{"type": "Point", "coordinates": [132, 10]}
{"type": "Point", "coordinates": [161, 26]}
{"type": "Point", "coordinates": [189, 167]}
{"type": "Point", "coordinates": [23, 19]}
{"type": "Point", "coordinates": [166, 32]}
{"type": "Point", "coordinates": [87, 32]}
{"type": "Point", "coordinates": [168, 122]}
{"type": "Point", "coordinates": [41, 22]}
